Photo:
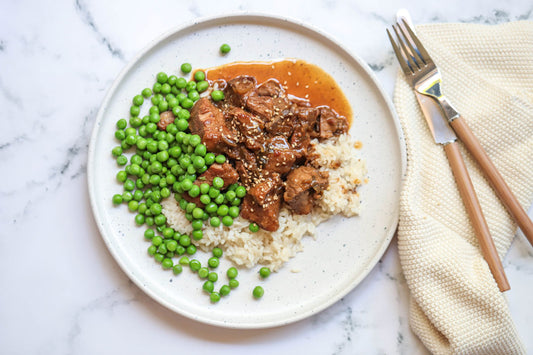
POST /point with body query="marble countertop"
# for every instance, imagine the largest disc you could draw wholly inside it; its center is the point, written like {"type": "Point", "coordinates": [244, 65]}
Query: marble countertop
{"type": "Point", "coordinates": [62, 292]}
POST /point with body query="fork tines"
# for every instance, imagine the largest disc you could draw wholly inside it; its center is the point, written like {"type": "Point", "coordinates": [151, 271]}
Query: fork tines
{"type": "Point", "coordinates": [410, 52]}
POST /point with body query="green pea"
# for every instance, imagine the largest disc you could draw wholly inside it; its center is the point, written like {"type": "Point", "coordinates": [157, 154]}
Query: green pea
{"type": "Point", "coordinates": [187, 103]}
{"type": "Point", "coordinates": [133, 205]}
{"type": "Point", "coordinates": [234, 211]}
{"type": "Point", "coordinates": [232, 273]}
{"type": "Point", "coordinates": [194, 192]}
{"type": "Point", "coordinates": [122, 123]}
{"type": "Point", "coordinates": [217, 252]}
{"type": "Point", "coordinates": [117, 199]}
{"type": "Point", "coordinates": [193, 95]}
{"type": "Point", "coordinates": [208, 286]}
{"type": "Point", "coordinates": [122, 160]}
{"type": "Point", "coordinates": [138, 100]}
{"type": "Point", "coordinates": [177, 269]}
{"type": "Point", "coordinates": [165, 89]}
{"type": "Point", "coordinates": [184, 114]}
{"type": "Point", "coordinates": [258, 292]}
{"type": "Point", "coordinates": [161, 220]}
{"type": "Point", "coordinates": [186, 68]}
{"type": "Point", "coordinates": [157, 240]}
{"type": "Point", "coordinates": [197, 224]}
{"type": "Point", "coordinates": [214, 297]}
{"type": "Point", "coordinates": [198, 162]}
{"type": "Point", "coordinates": [199, 75]}
{"type": "Point", "coordinates": [182, 82]}
{"type": "Point", "coordinates": [135, 110]}
{"type": "Point", "coordinates": [264, 272]}
{"type": "Point", "coordinates": [203, 272]}
{"type": "Point", "coordinates": [146, 92]}
{"type": "Point", "coordinates": [225, 290]}
{"type": "Point", "coordinates": [184, 260]}
{"type": "Point", "coordinates": [213, 277]}
{"type": "Point", "coordinates": [191, 249]}
{"type": "Point", "coordinates": [184, 240]}
{"type": "Point", "coordinates": [197, 212]}
{"type": "Point", "coordinates": [214, 221]}
{"type": "Point", "coordinates": [230, 195]}
{"type": "Point", "coordinates": [217, 95]}
{"type": "Point", "coordinates": [159, 257]}
{"type": "Point", "coordinates": [219, 199]}
{"type": "Point", "coordinates": [218, 182]}
{"type": "Point", "coordinates": [172, 80]}
{"type": "Point", "coordinates": [213, 262]}
{"type": "Point", "coordinates": [152, 250]}
{"type": "Point", "coordinates": [222, 211]}
{"type": "Point", "coordinates": [209, 158]}
{"type": "Point", "coordinates": [227, 221]}
{"type": "Point", "coordinates": [167, 263]}
{"type": "Point", "coordinates": [202, 85]}
{"type": "Point", "coordinates": [182, 124]}
{"type": "Point", "coordinates": [195, 265]}
{"type": "Point", "coordinates": [240, 191]}
{"type": "Point", "coordinates": [197, 234]}
{"type": "Point", "coordinates": [233, 283]}
{"type": "Point", "coordinates": [162, 77]}
{"type": "Point", "coordinates": [225, 48]}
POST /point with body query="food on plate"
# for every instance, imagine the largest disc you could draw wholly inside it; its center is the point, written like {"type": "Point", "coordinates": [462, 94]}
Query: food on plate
{"type": "Point", "coordinates": [237, 166]}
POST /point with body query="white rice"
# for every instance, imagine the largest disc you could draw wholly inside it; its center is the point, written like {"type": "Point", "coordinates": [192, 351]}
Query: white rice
{"type": "Point", "coordinates": [337, 156]}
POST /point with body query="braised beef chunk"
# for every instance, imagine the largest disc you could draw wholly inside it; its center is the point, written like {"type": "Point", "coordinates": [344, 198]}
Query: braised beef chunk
{"type": "Point", "coordinates": [265, 133]}
{"type": "Point", "coordinates": [303, 186]}
{"type": "Point", "coordinates": [208, 122]}
{"type": "Point", "coordinates": [225, 171]}
{"type": "Point", "coordinates": [263, 201]}
{"type": "Point", "coordinates": [250, 127]}
{"type": "Point", "coordinates": [270, 88]}
{"type": "Point", "coordinates": [238, 89]}
{"type": "Point", "coordinates": [166, 118]}
{"type": "Point", "coordinates": [262, 106]}
{"type": "Point", "coordinates": [279, 156]}
{"type": "Point", "coordinates": [330, 124]}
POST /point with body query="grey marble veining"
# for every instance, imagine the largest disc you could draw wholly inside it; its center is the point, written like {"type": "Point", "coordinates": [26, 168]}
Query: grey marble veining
{"type": "Point", "coordinates": [62, 292]}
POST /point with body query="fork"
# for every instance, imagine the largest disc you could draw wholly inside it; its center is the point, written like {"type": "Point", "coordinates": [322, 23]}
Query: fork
{"type": "Point", "coordinates": [424, 76]}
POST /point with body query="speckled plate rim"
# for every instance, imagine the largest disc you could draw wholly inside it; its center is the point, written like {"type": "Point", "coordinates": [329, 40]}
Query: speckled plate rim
{"type": "Point", "coordinates": [390, 229]}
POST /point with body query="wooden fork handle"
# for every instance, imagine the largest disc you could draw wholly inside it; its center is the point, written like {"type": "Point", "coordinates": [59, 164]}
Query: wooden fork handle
{"type": "Point", "coordinates": [506, 196]}
{"type": "Point", "coordinates": [473, 208]}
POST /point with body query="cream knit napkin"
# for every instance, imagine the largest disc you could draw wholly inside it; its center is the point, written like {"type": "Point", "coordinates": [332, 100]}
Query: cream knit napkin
{"type": "Point", "coordinates": [487, 73]}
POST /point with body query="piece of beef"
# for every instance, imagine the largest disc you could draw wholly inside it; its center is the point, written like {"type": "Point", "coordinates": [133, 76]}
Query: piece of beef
{"type": "Point", "coordinates": [249, 126]}
{"type": "Point", "coordinates": [279, 155]}
{"type": "Point", "coordinates": [262, 106]}
{"type": "Point", "coordinates": [166, 118]}
{"type": "Point", "coordinates": [238, 89]}
{"type": "Point", "coordinates": [303, 186]}
{"type": "Point", "coordinates": [263, 201]}
{"type": "Point", "coordinates": [271, 88]}
{"type": "Point", "coordinates": [208, 122]}
{"type": "Point", "coordinates": [329, 124]}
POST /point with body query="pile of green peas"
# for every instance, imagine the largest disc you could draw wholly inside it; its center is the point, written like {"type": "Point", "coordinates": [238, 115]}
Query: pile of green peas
{"type": "Point", "coordinates": [167, 162]}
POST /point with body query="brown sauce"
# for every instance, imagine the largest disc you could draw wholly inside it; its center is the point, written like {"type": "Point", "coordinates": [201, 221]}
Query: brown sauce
{"type": "Point", "coordinates": [298, 77]}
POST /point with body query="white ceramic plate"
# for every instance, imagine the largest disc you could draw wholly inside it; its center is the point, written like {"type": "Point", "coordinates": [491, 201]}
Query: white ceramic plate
{"type": "Point", "coordinates": [344, 251]}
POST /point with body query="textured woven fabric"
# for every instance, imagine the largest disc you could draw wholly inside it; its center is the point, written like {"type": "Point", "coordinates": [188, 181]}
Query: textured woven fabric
{"type": "Point", "coordinates": [487, 71]}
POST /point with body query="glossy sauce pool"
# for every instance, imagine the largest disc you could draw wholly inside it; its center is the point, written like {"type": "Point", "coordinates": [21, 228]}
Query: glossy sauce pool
{"type": "Point", "coordinates": [298, 77]}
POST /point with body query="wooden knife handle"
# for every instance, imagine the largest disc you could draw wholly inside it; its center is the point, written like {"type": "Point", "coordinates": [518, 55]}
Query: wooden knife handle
{"type": "Point", "coordinates": [473, 208]}
{"type": "Point", "coordinates": [493, 175]}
